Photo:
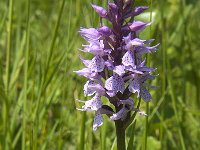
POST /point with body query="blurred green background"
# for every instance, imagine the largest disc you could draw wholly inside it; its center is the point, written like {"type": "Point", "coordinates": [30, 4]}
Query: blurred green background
{"type": "Point", "coordinates": [39, 44]}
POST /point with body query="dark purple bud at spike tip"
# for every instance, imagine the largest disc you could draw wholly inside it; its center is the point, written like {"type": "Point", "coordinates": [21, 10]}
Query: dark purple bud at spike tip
{"type": "Point", "coordinates": [113, 8]}
{"type": "Point", "coordinates": [100, 10]}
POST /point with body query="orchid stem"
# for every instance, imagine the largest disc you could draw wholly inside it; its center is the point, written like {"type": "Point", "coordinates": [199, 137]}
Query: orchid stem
{"type": "Point", "coordinates": [120, 132]}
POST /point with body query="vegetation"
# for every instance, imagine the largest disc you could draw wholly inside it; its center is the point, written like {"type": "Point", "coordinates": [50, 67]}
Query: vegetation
{"type": "Point", "coordinates": [39, 44]}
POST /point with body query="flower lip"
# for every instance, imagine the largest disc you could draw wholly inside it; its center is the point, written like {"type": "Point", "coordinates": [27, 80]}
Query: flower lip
{"type": "Point", "coordinates": [114, 84]}
{"type": "Point", "coordinates": [98, 121]}
{"type": "Point", "coordinates": [90, 33]}
{"type": "Point", "coordinates": [93, 104]}
{"type": "Point", "coordinates": [92, 87]}
{"type": "Point", "coordinates": [97, 64]}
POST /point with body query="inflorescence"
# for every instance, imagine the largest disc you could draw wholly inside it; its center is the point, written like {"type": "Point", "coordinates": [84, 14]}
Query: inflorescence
{"type": "Point", "coordinates": [118, 68]}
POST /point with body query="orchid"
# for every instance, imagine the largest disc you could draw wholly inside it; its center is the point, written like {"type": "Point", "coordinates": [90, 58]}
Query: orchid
{"type": "Point", "coordinates": [118, 69]}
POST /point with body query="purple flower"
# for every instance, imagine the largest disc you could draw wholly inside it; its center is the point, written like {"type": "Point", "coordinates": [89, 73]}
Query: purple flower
{"type": "Point", "coordinates": [114, 84]}
{"type": "Point", "coordinates": [118, 68]}
{"type": "Point", "coordinates": [98, 121]}
{"type": "Point", "coordinates": [90, 33]}
{"type": "Point", "coordinates": [92, 87]}
{"type": "Point", "coordinates": [93, 104]}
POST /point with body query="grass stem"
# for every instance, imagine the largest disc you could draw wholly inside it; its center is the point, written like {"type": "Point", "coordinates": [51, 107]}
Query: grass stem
{"type": "Point", "coordinates": [6, 107]}
{"type": "Point", "coordinates": [26, 76]}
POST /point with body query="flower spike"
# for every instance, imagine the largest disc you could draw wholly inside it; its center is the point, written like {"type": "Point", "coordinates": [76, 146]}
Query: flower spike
{"type": "Point", "coordinates": [117, 69]}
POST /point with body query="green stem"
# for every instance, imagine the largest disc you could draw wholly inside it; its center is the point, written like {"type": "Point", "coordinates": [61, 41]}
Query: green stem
{"type": "Point", "coordinates": [82, 132]}
{"type": "Point", "coordinates": [6, 108]}
{"type": "Point", "coordinates": [120, 133]}
{"type": "Point", "coordinates": [146, 127]}
{"type": "Point", "coordinates": [26, 77]}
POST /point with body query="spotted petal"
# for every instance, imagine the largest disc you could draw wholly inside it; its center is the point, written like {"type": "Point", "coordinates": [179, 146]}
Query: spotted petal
{"type": "Point", "coordinates": [132, 43]}
{"type": "Point", "coordinates": [95, 48]}
{"type": "Point", "coordinates": [93, 104]}
{"type": "Point", "coordinates": [97, 64]}
{"type": "Point", "coordinates": [145, 94]}
{"type": "Point", "coordinates": [128, 59]}
{"type": "Point", "coordinates": [134, 86]}
{"type": "Point", "coordinates": [92, 87]}
{"type": "Point", "coordinates": [98, 121]}
{"type": "Point", "coordinates": [114, 84]}
{"type": "Point", "coordinates": [120, 70]}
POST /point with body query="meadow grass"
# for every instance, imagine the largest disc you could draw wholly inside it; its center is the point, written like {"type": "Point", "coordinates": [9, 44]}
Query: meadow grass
{"type": "Point", "coordinates": [39, 44]}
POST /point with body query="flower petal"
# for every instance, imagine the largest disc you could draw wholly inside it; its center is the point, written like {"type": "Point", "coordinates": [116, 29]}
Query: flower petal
{"type": "Point", "coordinates": [95, 48]}
{"type": "Point", "coordinates": [114, 84]}
{"type": "Point", "coordinates": [86, 72]}
{"type": "Point", "coordinates": [105, 30]}
{"type": "Point", "coordinates": [120, 114]}
{"type": "Point", "coordinates": [92, 87]}
{"type": "Point", "coordinates": [90, 33]}
{"type": "Point", "coordinates": [147, 69]}
{"type": "Point", "coordinates": [85, 62]}
{"type": "Point", "coordinates": [145, 94]}
{"type": "Point", "coordinates": [120, 70]}
{"type": "Point", "coordinates": [109, 64]}
{"type": "Point", "coordinates": [128, 59]}
{"type": "Point", "coordinates": [100, 10]}
{"type": "Point", "coordinates": [142, 113]}
{"type": "Point", "coordinates": [128, 102]}
{"type": "Point", "coordinates": [98, 121]}
{"type": "Point", "coordinates": [135, 26]}
{"type": "Point", "coordinates": [144, 50]}
{"type": "Point", "coordinates": [139, 9]}
{"type": "Point", "coordinates": [93, 104]}
{"type": "Point", "coordinates": [97, 64]}
{"type": "Point", "coordinates": [134, 86]}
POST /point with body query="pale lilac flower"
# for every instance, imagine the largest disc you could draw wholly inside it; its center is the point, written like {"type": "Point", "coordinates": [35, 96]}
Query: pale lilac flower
{"type": "Point", "coordinates": [98, 121]}
{"type": "Point", "coordinates": [114, 84]}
